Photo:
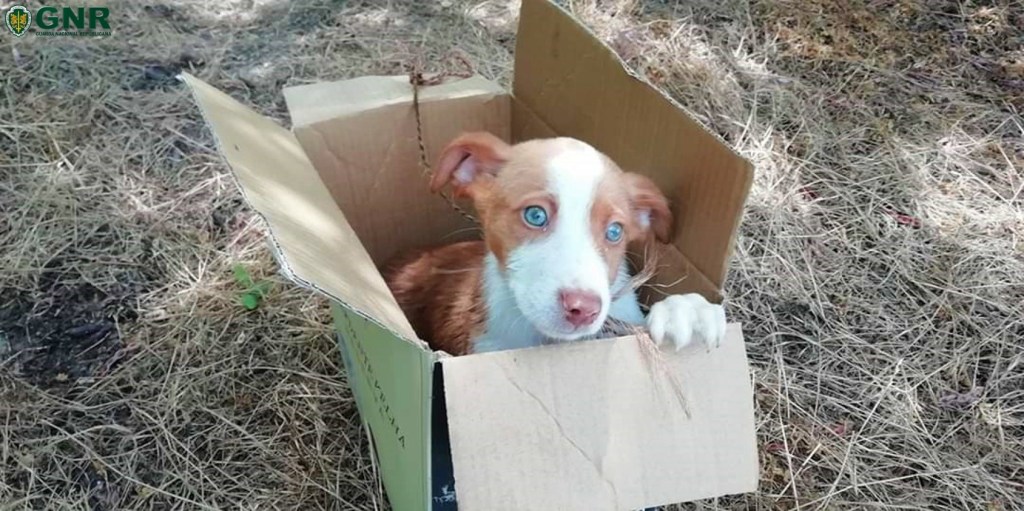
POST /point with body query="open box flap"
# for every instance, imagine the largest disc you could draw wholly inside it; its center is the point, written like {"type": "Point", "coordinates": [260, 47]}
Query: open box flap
{"type": "Point", "coordinates": [316, 246]}
{"type": "Point", "coordinates": [580, 88]}
{"type": "Point", "coordinates": [592, 425]}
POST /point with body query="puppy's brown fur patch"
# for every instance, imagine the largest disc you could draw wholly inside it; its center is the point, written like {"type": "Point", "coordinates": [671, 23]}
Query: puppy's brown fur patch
{"type": "Point", "coordinates": [440, 292]}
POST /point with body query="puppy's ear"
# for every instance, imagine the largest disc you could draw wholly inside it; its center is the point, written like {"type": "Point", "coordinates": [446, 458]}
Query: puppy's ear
{"type": "Point", "coordinates": [650, 207]}
{"type": "Point", "coordinates": [466, 159]}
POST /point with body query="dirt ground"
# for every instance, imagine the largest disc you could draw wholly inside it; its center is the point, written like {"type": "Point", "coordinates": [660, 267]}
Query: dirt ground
{"type": "Point", "coordinates": [879, 274]}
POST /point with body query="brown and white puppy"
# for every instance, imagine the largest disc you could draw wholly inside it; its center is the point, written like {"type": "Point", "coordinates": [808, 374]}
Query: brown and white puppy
{"type": "Point", "coordinates": [556, 215]}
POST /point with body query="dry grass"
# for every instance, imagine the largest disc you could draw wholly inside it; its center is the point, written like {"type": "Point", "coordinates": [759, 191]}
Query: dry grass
{"type": "Point", "coordinates": [879, 276]}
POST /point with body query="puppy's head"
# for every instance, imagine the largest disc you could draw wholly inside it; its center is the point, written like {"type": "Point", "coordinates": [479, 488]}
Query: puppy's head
{"type": "Point", "coordinates": [557, 215]}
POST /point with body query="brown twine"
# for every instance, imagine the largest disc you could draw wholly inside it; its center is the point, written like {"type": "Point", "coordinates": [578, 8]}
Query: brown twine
{"type": "Point", "coordinates": [417, 80]}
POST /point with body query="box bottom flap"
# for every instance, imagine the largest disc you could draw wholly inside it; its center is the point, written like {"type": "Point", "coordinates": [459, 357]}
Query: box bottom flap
{"type": "Point", "coordinates": [598, 425]}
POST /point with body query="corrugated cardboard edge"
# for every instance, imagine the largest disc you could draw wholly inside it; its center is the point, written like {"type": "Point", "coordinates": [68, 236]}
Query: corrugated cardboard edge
{"type": "Point", "coordinates": [693, 118]}
{"type": "Point", "coordinates": [275, 248]}
{"type": "Point", "coordinates": [394, 90]}
{"type": "Point", "coordinates": [670, 99]}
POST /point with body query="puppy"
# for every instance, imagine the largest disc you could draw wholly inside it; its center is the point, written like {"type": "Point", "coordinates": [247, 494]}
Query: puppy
{"type": "Point", "coordinates": [557, 215]}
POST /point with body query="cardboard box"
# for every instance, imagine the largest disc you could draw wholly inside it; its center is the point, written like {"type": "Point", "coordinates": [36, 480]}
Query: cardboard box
{"type": "Point", "coordinates": [576, 426]}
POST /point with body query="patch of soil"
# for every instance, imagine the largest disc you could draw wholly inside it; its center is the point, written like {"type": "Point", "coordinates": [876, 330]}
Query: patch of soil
{"type": "Point", "coordinates": [66, 329]}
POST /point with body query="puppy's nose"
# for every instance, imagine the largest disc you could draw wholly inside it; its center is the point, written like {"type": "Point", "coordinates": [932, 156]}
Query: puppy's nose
{"type": "Point", "coordinates": [580, 307]}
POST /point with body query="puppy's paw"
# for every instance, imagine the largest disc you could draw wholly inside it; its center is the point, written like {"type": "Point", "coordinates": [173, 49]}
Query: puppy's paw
{"type": "Point", "coordinates": [681, 318]}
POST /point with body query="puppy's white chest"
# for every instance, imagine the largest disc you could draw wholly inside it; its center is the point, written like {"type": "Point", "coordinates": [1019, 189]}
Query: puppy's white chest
{"type": "Point", "coordinates": [506, 327]}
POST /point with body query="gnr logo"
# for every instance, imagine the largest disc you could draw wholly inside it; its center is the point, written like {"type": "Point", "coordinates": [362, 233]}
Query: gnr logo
{"type": "Point", "coordinates": [58, 21]}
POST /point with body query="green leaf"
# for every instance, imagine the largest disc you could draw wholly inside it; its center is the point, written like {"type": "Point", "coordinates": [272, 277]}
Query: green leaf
{"type": "Point", "coordinates": [242, 276]}
{"type": "Point", "coordinates": [262, 288]}
{"type": "Point", "coordinates": [250, 301]}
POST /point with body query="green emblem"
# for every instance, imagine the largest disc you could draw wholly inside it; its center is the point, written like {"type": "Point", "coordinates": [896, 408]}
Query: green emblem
{"type": "Point", "coordinates": [18, 18]}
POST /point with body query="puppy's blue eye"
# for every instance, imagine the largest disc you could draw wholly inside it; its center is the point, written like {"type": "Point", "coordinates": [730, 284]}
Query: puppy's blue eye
{"type": "Point", "coordinates": [614, 232]}
{"type": "Point", "coordinates": [535, 216]}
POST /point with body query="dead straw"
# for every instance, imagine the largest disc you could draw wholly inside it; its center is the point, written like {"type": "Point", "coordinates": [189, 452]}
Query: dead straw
{"type": "Point", "coordinates": [885, 226]}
